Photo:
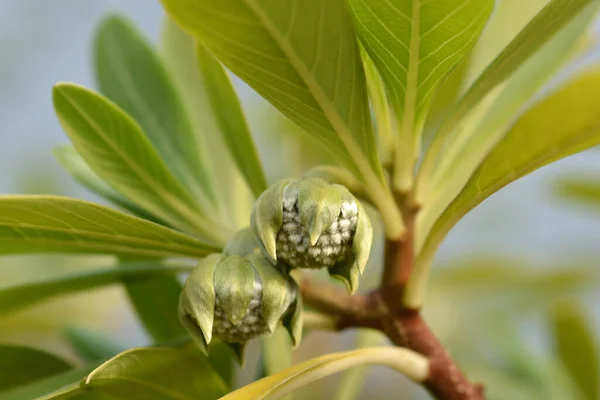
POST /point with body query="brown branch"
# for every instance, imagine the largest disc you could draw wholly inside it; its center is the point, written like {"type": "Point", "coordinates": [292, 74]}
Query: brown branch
{"type": "Point", "coordinates": [446, 381]}
{"type": "Point", "coordinates": [333, 300]}
{"type": "Point", "coordinates": [404, 328]}
{"type": "Point", "coordinates": [383, 310]}
{"type": "Point", "coordinates": [399, 255]}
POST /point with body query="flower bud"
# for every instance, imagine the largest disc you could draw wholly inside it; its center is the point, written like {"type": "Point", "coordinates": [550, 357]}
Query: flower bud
{"type": "Point", "coordinates": [241, 243]}
{"type": "Point", "coordinates": [310, 223]}
{"type": "Point", "coordinates": [237, 298]}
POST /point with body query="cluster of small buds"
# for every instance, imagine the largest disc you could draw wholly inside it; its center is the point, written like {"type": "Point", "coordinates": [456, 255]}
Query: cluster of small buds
{"type": "Point", "coordinates": [333, 245]}
{"type": "Point", "coordinates": [250, 326]}
{"type": "Point", "coordinates": [310, 223]}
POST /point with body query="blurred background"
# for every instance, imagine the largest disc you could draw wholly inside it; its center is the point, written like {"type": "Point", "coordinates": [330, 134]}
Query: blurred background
{"type": "Point", "coordinates": [514, 268]}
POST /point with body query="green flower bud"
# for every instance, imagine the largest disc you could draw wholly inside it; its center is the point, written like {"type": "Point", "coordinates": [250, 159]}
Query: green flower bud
{"type": "Point", "coordinates": [237, 298]}
{"type": "Point", "coordinates": [310, 223]}
{"type": "Point", "coordinates": [241, 243]}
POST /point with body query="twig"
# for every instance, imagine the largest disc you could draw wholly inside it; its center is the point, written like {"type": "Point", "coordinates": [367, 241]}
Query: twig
{"type": "Point", "coordinates": [384, 310]}
{"type": "Point", "coordinates": [404, 328]}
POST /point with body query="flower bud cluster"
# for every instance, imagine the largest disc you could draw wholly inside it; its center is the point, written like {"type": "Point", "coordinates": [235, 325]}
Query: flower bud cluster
{"type": "Point", "coordinates": [247, 290]}
{"type": "Point", "coordinates": [311, 223]}
{"type": "Point", "coordinates": [235, 299]}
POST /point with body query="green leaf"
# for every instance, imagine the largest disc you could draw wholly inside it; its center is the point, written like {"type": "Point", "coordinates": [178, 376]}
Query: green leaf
{"type": "Point", "coordinates": [230, 117]}
{"type": "Point", "coordinates": [37, 224]}
{"type": "Point", "coordinates": [382, 111]}
{"type": "Point", "coordinates": [582, 190]}
{"type": "Point", "coordinates": [484, 127]}
{"type": "Point", "coordinates": [131, 74]}
{"type": "Point", "coordinates": [278, 385]}
{"type": "Point", "coordinates": [277, 354]}
{"type": "Point", "coordinates": [22, 365]}
{"type": "Point", "coordinates": [291, 148]}
{"type": "Point", "coordinates": [549, 21]}
{"type": "Point", "coordinates": [565, 122]}
{"type": "Point", "coordinates": [303, 58]}
{"type": "Point", "coordinates": [160, 373]}
{"type": "Point", "coordinates": [179, 55]}
{"type": "Point", "coordinates": [507, 20]}
{"type": "Point", "coordinates": [71, 161]}
{"type": "Point", "coordinates": [115, 147]}
{"type": "Point", "coordinates": [501, 384]}
{"type": "Point", "coordinates": [444, 99]}
{"type": "Point", "coordinates": [307, 65]}
{"type": "Point", "coordinates": [222, 359]}
{"type": "Point", "coordinates": [353, 381]}
{"type": "Point", "coordinates": [67, 383]}
{"type": "Point", "coordinates": [91, 345]}
{"type": "Point", "coordinates": [16, 297]}
{"type": "Point", "coordinates": [500, 275]}
{"type": "Point", "coordinates": [41, 387]}
{"type": "Point", "coordinates": [575, 343]}
{"type": "Point", "coordinates": [156, 301]}
{"type": "Point", "coordinates": [415, 45]}
{"type": "Point", "coordinates": [532, 286]}
{"type": "Point", "coordinates": [277, 351]}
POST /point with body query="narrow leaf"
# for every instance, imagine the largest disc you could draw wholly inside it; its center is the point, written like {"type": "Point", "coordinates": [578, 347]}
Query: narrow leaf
{"type": "Point", "coordinates": [581, 190]}
{"type": "Point", "coordinates": [178, 50]}
{"type": "Point", "coordinates": [158, 373]}
{"type": "Point", "coordinates": [563, 123]}
{"type": "Point", "coordinates": [131, 74]}
{"type": "Point", "coordinates": [223, 361]}
{"type": "Point", "coordinates": [42, 387]}
{"type": "Point", "coordinates": [548, 22]}
{"type": "Point", "coordinates": [353, 381]}
{"type": "Point", "coordinates": [230, 117]}
{"type": "Point", "coordinates": [91, 345]}
{"type": "Point", "coordinates": [495, 277]}
{"type": "Point", "coordinates": [22, 365]}
{"type": "Point", "coordinates": [155, 301]}
{"type": "Point", "coordinates": [415, 45]}
{"type": "Point", "coordinates": [276, 386]}
{"type": "Point", "coordinates": [38, 224]}
{"type": "Point", "coordinates": [16, 297]}
{"type": "Point", "coordinates": [71, 161]}
{"type": "Point", "coordinates": [444, 99]}
{"type": "Point", "coordinates": [277, 351]}
{"type": "Point", "coordinates": [507, 20]}
{"type": "Point", "coordinates": [67, 385]}
{"type": "Point", "coordinates": [115, 147]}
{"type": "Point", "coordinates": [532, 287]}
{"type": "Point", "coordinates": [277, 354]}
{"type": "Point", "coordinates": [380, 106]}
{"type": "Point", "coordinates": [575, 343]}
